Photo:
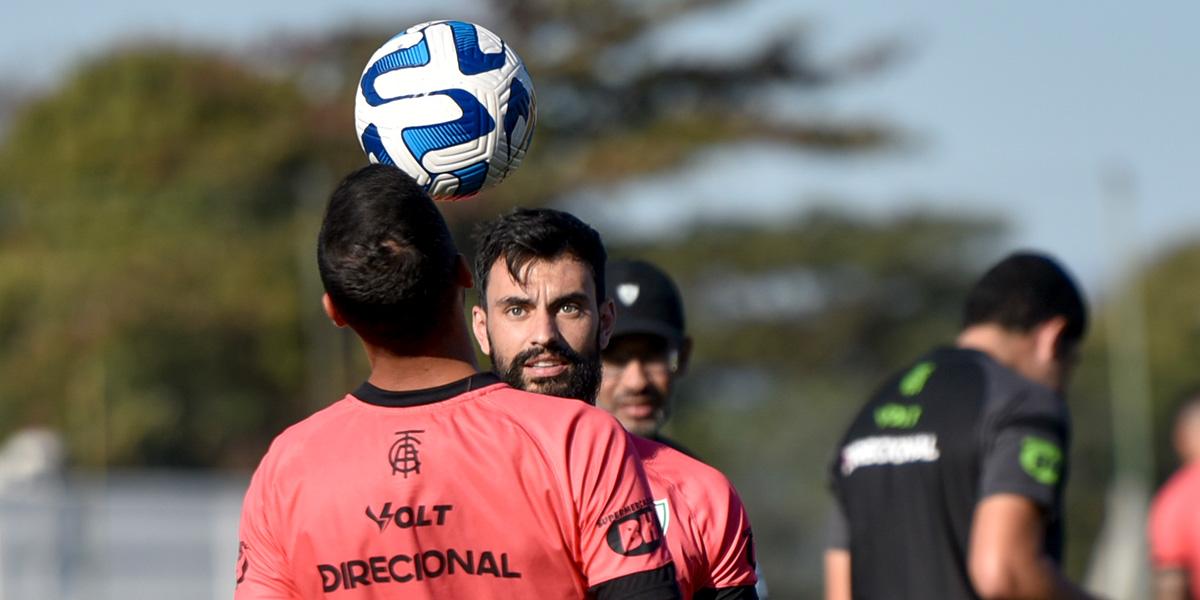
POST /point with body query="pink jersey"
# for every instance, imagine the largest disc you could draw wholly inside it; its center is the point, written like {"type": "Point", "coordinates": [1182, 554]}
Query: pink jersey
{"type": "Point", "coordinates": [703, 518]}
{"type": "Point", "coordinates": [1175, 525]}
{"type": "Point", "coordinates": [447, 493]}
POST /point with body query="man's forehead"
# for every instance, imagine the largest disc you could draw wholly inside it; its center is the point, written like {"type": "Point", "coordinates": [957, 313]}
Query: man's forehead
{"type": "Point", "coordinates": [561, 270]}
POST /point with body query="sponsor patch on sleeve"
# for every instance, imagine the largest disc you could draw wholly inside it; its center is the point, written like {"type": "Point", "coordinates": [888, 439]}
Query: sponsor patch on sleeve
{"type": "Point", "coordinates": [1041, 459]}
{"type": "Point", "coordinates": [633, 530]}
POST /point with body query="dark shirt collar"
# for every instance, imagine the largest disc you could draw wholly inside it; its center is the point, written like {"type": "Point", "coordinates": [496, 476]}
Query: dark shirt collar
{"type": "Point", "coordinates": [380, 397]}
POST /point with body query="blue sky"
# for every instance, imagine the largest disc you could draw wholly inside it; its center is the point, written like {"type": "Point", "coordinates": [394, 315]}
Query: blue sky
{"type": "Point", "coordinates": [1016, 109]}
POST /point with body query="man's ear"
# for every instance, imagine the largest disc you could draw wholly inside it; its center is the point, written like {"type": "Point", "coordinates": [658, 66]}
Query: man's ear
{"type": "Point", "coordinates": [1046, 336]}
{"type": "Point", "coordinates": [479, 328]}
{"type": "Point", "coordinates": [608, 320]}
{"type": "Point", "coordinates": [462, 273]}
{"type": "Point", "coordinates": [685, 356]}
{"type": "Point", "coordinates": [331, 311]}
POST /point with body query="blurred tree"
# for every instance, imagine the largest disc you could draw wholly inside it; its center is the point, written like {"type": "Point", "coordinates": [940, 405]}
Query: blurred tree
{"type": "Point", "coordinates": [1172, 318]}
{"type": "Point", "coordinates": [157, 217]}
{"type": "Point", "coordinates": [147, 270]}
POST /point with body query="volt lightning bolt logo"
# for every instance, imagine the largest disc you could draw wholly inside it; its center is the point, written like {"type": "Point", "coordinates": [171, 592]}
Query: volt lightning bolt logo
{"type": "Point", "coordinates": [404, 456]}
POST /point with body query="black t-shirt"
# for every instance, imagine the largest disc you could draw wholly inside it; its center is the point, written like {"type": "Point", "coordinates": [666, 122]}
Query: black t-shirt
{"type": "Point", "coordinates": [948, 431]}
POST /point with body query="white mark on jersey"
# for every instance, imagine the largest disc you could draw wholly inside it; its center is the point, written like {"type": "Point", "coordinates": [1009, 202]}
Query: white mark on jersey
{"type": "Point", "coordinates": [889, 450]}
{"type": "Point", "coordinates": [663, 509]}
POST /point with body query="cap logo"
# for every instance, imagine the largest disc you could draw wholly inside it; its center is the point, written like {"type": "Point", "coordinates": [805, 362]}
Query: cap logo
{"type": "Point", "coordinates": [627, 293]}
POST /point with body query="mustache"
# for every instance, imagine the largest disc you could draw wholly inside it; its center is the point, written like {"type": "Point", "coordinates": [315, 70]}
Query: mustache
{"type": "Point", "coordinates": [553, 348]}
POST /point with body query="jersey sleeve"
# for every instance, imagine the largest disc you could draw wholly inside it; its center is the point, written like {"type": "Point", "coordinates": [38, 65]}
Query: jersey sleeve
{"type": "Point", "coordinates": [262, 572]}
{"type": "Point", "coordinates": [837, 526]}
{"type": "Point", "coordinates": [837, 530]}
{"type": "Point", "coordinates": [1024, 449]}
{"type": "Point", "coordinates": [729, 542]}
{"type": "Point", "coordinates": [619, 531]}
{"type": "Point", "coordinates": [656, 584]}
{"type": "Point", "coordinates": [1167, 533]}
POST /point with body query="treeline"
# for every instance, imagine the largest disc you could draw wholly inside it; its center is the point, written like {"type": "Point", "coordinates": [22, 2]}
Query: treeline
{"type": "Point", "coordinates": [159, 302]}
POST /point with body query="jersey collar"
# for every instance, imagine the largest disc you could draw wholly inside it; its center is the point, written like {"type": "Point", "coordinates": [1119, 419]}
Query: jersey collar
{"type": "Point", "coordinates": [380, 397]}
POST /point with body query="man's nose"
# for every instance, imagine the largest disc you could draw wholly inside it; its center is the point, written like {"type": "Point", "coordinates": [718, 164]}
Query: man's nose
{"type": "Point", "coordinates": [545, 329]}
{"type": "Point", "coordinates": [633, 374]}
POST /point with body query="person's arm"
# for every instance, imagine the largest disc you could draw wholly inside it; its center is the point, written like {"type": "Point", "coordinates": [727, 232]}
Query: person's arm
{"type": "Point", "coordinates": [741, 592]}
{"type": "Point", "coordinates": [1006, 559]}
{"type": "Point", "coordinates": [261, 570]}
{"type": "Point", "coordinates": [837, 555]}
{"type": "Point", "coordinates": [647, 585]}
{"type": "Point", "coordinates": [1024, 469]}
{"type": "Point", "coordinates": [837, 574]}
{"type": "Point", "coordinates": [621, 547]}
{"type": "Point", "coordinates": [727, 540]}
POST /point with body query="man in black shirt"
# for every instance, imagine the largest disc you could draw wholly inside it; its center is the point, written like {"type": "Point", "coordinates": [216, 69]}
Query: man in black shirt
{"type": "Point", "coordinates": [948, 483]}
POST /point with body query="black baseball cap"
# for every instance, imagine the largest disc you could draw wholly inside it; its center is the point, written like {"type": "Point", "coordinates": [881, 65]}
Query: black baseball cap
{"type": "Point", "coordinates": [647, 300]}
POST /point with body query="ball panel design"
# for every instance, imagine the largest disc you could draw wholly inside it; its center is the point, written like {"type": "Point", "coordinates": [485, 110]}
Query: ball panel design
{"type": "Point", "coordinates": [448, 102]}
{"type": "Point", "coordinates": [471, 58]}
{"type": "Point", "coordinates": [404, 58]}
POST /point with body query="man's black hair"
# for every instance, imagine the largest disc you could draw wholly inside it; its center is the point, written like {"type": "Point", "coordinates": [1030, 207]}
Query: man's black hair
{"type": "Point", "coordinates": [528, 234]}
{"type": "Point", "coordinates": [386, 257]}
{"type": "Point", "coordinates": [1025, 290]}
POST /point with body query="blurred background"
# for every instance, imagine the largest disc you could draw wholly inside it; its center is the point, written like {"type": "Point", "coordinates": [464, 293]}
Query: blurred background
{"type": "Point", "coordinates": [823, 180]}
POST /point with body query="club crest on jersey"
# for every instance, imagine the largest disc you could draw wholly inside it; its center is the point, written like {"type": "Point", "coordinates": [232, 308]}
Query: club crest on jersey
{"type": "Point", "coordinates": [663, 509]}
{"type": "Point", "coordinates": [403, 455]}
{"type": "Point", "coordinates": [627, 293]}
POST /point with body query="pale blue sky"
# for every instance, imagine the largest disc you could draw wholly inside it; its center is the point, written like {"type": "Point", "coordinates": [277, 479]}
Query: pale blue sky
{"type": "Point", "coordinates": [1016, 108]}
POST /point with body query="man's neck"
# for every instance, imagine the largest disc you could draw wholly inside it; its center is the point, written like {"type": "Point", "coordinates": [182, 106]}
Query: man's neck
{"type": "Point", "coordinates": [992, 340]}
{"type": "Point", "coordinates": [402, 374]}
{"type": "Point", "coordinates": [432, 367]}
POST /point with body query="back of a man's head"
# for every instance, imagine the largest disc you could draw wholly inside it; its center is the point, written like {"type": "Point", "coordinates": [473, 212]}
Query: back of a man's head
{"type": "Point", "coordinates": [525, 235]}
{"type": "Point", "coordinates": [386, 258]}
{"type": "Point", "coordinates": [1023, 291]}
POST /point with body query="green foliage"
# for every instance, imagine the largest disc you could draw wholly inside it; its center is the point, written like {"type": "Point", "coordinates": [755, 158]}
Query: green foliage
{"type": "Point", "coordinates": [159, 301]}
{"type": "Point", "coordinates": [1170, 293]}
{"type": "Point", "coordinates": [149, 276]}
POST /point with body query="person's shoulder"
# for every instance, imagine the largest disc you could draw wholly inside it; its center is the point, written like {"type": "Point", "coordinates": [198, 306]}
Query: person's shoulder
{"type": "Point", "coordinates": [1007, 391]}
{"type": "Point", "coordinates": [961, 363]}
{"type": "Point", "coordinates": [658, 437]}
{"type": "Point", "coordinates": [1182, 486]}
{"type": "Point", "coordinates": [531, 405]}
{"type": "Point", "coordinates": [689, 475]}
{"type": "Point", "coordinates": [546, 415]}
{"type": "Point", "coordinates": [326, 421]}
{"type": "Point", "coordinates": [944, 369]}
{"type": "Point", "coordinates": [313, 431]}
{"type": "Point", "coordinates": [1172, 518]}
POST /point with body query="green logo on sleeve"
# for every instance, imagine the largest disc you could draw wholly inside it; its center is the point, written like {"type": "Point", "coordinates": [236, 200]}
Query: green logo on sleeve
{"type": "Point", "coordinates": [897, 416]}
{"type": "Point", "coordinates": [914, 381]}
{"type": "Point", "coordinates": [1041, 459]}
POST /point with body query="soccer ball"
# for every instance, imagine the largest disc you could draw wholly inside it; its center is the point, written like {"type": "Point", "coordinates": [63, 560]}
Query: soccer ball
{"type": "Point", "coordinates": [449, 103]}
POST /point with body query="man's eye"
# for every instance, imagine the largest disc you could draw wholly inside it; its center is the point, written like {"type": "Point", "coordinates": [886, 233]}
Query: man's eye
{"type": "Point", "coordinates": [569, 309]}
{"type": "Point", "coordinates": [514, 311]}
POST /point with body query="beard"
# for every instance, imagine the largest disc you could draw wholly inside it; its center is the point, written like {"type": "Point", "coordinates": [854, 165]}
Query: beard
{"type": "Point", "coordinates": [580, 381]}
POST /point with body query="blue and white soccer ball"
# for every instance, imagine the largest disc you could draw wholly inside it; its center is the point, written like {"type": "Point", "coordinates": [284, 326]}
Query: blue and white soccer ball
{"type": "Point", "coordinates": [449, 103]}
